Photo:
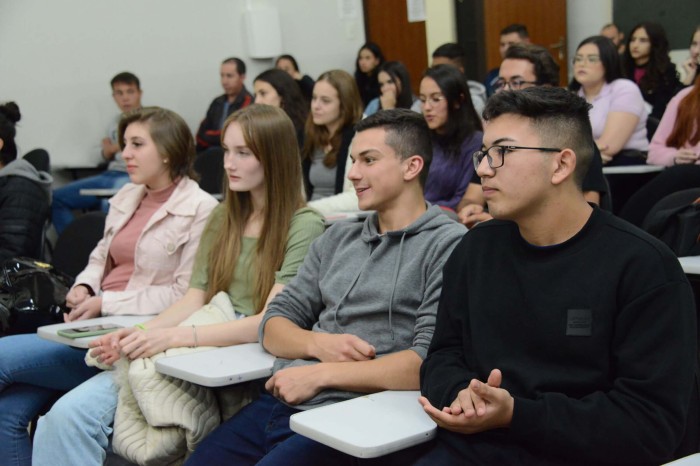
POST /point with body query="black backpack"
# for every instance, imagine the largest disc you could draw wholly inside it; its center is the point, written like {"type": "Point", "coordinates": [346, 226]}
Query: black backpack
{"type": "Point", "coordinates": [32, 294]}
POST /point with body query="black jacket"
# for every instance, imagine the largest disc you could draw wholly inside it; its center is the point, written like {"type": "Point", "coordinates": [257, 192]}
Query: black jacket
{"type": "Point", "coordinates": [209, 133]}
{"type": "Point", "coordinates": [24, 208]}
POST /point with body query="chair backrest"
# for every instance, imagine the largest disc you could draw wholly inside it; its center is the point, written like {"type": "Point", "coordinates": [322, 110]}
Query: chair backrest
{"type": "Point", "coordinates": [40, 159]}
{"type": "Point", "coordinates": [677, 199]}
{"type": "Point", "coordinates": [209, 165]}
{"type": "Point", "coordinates": [74, 245]}
{"type": "Point", "coordinates": [652, 124]}
{"type": "Point", "coordinates": [606, 197]}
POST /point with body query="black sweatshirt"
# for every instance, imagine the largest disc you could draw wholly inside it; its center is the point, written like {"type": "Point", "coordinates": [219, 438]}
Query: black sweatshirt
{"type": "Point", "coordinates": [596, 339]}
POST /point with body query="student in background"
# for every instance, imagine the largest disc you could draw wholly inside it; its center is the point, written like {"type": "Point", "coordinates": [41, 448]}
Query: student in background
{"type": "Point", "coordinates": [525, 66]}
{"type": "Point", "coordinates": [618, 116]}
{"type": "Point", "coordinates": [647, 63]}
{"type": "Point", "coordinates": [676, 145]}
{"type": "Point", "coordinates": [690, 65]}
{"type": "Point", "coordinates": [510, 35]}
{"type": "Point", "coordinates": [126, 92]}
{"type": "Point", "coordinates": [142, 265]}
{"type": "Point", "coordinates": [235, 96]}
{"type": "Point", "coordinates": [369, 57]}
{"type": "Point", "coordinates": [251, 248]}
{"type": "Point", "coordinates": [25, 194]}
{"type": "Point", "coordinates": [335, 109]}
{"type": "Point", "coordinates": [453, 54]}
{"type": "Point", "coordinates": [456, 131]}
{"type": "Point", "coordinates": [288, 64]}
{"type": "Point", "coordinates": [277, 88]}
{"type": "Point", "coordinates": [612, 32]}
{"type": "Point", "coordinates": [395, 88]}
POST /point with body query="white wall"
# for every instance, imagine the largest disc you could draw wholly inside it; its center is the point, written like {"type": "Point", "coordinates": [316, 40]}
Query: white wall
{"type": "Point", "coordinates": [57, 58]}
{"type": "Point", "coordinates": [440, 26]}
{"type": "Point", "coordinates": [584, 19]}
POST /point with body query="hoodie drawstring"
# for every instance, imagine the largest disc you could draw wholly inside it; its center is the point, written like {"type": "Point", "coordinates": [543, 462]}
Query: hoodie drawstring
{"type": "Point", "coordinates": [396, 279]}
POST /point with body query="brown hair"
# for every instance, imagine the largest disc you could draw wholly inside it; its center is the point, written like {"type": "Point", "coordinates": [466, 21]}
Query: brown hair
{"type": "Point", "coordinates": [350, 113]}
{"type": "Point", "coordinates": [687, 126]}
{"type": "Point", "coordinates": [170, 134]}
{"type": "Point", "coordinates": [270, 136]}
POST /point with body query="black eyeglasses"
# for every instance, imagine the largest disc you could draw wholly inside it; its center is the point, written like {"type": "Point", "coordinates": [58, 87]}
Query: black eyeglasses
{"type": "Point", "coordinates": [513, 84]}
{"type": "Point", "coordinates": [495, 155]}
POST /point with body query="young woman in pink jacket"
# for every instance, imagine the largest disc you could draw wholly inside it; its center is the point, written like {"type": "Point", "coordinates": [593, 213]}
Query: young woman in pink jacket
{"type": "Point", "coordinates": [141, 266]}
{"type": "Point", "coordinates": [676, 145]}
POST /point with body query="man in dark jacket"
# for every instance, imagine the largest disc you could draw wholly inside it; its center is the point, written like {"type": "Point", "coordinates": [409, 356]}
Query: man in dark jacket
{"type": "Point", "coordinates": [235, 97]}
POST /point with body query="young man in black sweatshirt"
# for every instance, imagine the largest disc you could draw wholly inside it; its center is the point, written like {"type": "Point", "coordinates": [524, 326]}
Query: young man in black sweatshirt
{"type": "Point", "coordinates": [564, 335]}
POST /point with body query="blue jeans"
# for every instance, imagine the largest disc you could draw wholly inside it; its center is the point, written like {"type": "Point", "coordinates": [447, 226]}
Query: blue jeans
{"type": "Point", "coordinates": [68, 198]}
{"type": "Point", "coordinates": [77, 428]}
{"type": "Point", "coordinates": [33, 372]}
{"type": "Point", "coordinates": [260, 434]}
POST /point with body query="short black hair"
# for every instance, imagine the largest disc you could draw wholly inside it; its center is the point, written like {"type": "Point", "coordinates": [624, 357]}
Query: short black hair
{"type": "Point", "coordinates": [286, 56]}
{"type": "Point", "coordinates": [519, 29]}
{"type": "Point", "coordinates": [406, 132]}
{"type": "Point", "coordinates": [452, 51]}
{"type": "Point", "coordinates": [240, 64]}
{"type": "Point", "coordinates": [9, 116]}
{"type": "Point", "coordinates": [559, 117]}
{"type": "Point", "coordinates": [125, 77]}
{"type": "Point", "coordinates": [546, 68]}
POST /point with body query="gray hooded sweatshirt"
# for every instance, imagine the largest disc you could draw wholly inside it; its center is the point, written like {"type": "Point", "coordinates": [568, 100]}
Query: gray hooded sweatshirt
{"type": "Point", "coordinates": [383, 288]}
{"type": "Point", "coordinates": [21, 167]}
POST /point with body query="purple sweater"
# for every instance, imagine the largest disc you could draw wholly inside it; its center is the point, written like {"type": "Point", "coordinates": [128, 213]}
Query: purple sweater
{"type": "Point", "coordinates": [448, 177]}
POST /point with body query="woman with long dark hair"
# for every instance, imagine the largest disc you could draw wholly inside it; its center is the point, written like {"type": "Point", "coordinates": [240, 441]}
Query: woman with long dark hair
{"type": "Point", "coordinates": [275, 87]}
{"type": "Point", "coordinates": [457, 133]}
{"type": "Point", "coordinates": [647, 63]}
{"type": "Point", "coordinates": [618, 116]}
{"type": "Point", "coordinates": [289, 65]}
{"type": "Point", "coordinates": [395, 87]}
{"type": "Point", "coordinates": [369, 58]}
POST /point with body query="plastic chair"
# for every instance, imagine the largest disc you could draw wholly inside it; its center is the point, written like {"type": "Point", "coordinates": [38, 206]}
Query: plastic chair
{"type": "Point", "coordinates": [209, 165]}
{"type": "Point", "coordinates": [40, 159]}
{"type": "Point", "coordinates": [77, 241]}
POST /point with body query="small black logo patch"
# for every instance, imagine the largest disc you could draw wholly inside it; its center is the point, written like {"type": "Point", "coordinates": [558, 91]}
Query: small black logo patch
{"type": "Point", "coordinates": [579, 322]}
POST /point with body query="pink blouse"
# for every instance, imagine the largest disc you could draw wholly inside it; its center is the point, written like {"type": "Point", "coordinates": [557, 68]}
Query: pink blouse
{"type": "Point", "coordinates": [659, 152]}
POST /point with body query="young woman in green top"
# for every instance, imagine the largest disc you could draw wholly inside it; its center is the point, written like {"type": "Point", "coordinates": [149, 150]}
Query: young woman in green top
{"type": "Point", "coordinates": [252, 246]}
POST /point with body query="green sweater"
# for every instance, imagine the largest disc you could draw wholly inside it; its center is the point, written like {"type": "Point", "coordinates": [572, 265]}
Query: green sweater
{"type": "Point", "coordinates": [306, 225]}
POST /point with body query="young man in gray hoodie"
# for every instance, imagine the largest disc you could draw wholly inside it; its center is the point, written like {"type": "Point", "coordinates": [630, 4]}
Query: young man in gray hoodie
{"type": "Point", "coordinates": [359, 316]}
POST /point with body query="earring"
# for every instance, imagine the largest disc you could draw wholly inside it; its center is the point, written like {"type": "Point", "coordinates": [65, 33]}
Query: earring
{"type": "Point", "coordinates": [165, 160]}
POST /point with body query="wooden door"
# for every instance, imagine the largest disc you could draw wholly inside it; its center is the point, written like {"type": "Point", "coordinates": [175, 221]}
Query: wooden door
{"type": "Point", "coordinates": [386, 23]}
{"type": "Point", "coordinates": [545, 21]}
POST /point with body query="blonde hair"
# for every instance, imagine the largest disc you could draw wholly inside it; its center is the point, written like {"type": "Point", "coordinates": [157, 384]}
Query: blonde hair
{"type": "Point", "coordinates": [269, 134]}
{"type": "Point", "coordinates": [350, 113]}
